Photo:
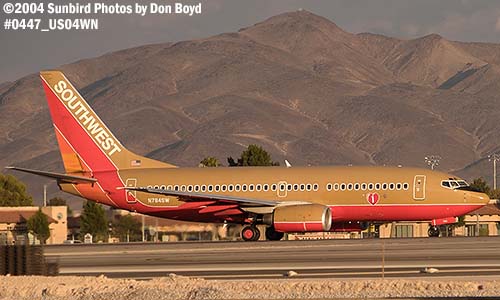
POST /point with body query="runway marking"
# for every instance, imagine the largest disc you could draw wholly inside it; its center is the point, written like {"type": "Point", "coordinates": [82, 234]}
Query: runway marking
{"type": "Point", "coordinates": [275, 248]}
{"type": "Point", "coordinates": [76, 270]}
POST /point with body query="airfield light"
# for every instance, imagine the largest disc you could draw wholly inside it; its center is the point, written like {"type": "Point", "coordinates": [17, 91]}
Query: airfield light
{"type": "Point", "coordinates": [432, 160]}
{"type": "Point", "coordinates": [494, 158]}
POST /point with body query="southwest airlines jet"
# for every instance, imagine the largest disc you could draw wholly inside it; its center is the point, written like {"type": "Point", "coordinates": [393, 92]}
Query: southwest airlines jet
{"type": "Point", "coordinates": [296, 199]}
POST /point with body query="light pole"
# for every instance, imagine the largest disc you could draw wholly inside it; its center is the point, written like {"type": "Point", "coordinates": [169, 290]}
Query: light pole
{"type": "Point", "coordinates": [494, 157]}
{"type": "Point", "coordinates": [432, 160]}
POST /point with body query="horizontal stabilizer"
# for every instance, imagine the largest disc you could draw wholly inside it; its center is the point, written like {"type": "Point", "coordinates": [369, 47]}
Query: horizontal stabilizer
{"type": "Point", "coordinates": [58, 176]}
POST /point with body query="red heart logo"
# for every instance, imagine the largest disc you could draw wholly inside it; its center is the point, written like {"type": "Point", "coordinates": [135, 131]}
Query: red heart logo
{"type": "Point", "coordinates": [372, 198]}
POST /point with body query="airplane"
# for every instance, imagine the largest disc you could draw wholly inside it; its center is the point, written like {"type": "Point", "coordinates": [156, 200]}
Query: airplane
{"type": "Point", "coordinates": [285, 199]}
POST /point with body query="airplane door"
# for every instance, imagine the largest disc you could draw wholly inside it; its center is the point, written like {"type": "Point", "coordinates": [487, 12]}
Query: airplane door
{"type": "Point", "coordinates": [131, 196]}
{"type": "Point", "coordinates": [281, 189]}
{"type": "Point", "coordinates": [419, 187]}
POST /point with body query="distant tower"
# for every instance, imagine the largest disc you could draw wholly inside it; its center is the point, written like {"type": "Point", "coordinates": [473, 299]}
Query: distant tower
{"type": "Point", "coordinates": [494, 158]}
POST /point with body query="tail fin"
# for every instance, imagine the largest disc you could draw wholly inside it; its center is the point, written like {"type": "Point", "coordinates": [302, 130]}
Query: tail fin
{"type": "Point", "coordinates": [86, 144]}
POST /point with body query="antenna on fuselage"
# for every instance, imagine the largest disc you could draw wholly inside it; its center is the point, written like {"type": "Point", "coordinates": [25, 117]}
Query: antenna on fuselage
{"type": "Point", "coordinates": [288, 164]}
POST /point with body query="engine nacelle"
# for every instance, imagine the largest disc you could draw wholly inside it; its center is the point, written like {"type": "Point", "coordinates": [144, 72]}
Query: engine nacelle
{"type": "Point", "coordinates": [302, 218]}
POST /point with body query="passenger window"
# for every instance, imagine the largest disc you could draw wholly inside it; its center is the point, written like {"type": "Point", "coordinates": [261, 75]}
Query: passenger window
{"type": "Point", "coordinates": [398, 186]}
{"type": "Point", "coordinates": [230, 187]}
{"type": "Point", "coordinates": [406, 186]}
{"type": "Point", "coordinates": [169, 187]}
{"type": "Point", "coordinates": [329, 187]}
{"type": "Point", "coordinates": [377, 186]}
{"type": "Point", "coordinates": [196, 188]}
{"type": "Point", "coordinates": [274, 187]}
{"type": "Point", "coordinates": [342, 187]}
{"type": "Point", "coordinates": [176, 188]}
{"type": "Point", "coordinates": [363, 186]}
{"type": "Point", "coordinates": [183, 188]}
{"type": "Point", "coordinates": [308, 187]}
{"type": "Point", "coordinates": [336, 186]}
{"type": "Point", "coordinates": [250, 187]}
{"type": "Point", "coordinates": [391, 186]}
{"type": "Point", "coordinates": [370, 186]}
{"type": "Point", "coordinates": [289, 187]}
{"type": "Point", "coordinates": [258, 187]}
{"type": "Point", "coordinates": [244, 187]}
{"type": "Point", "coordinates": [203, 188]}
{"type": "Point", "coordinates": [266, 187]}
{"type": "Point", "coordinates": [356, 186]}
{"type": "Point", "coordinates": [223, 187]}
{"type": "Point", "coordinates": [302, 187]}
{"type": "Point", "coordinates": [210, 188]}
{"type": "Point", "coordinates": [295, 187]}
{"type": "Point", "coordinates": [315, 187]}
{"type": "Point", "coordinates": [162, 187]}
{"type": "Point", "coordinates": [384, 186]}
{"type": "Point", "coordinates": [237, 187]}
{"type": "Point", "coordinates": [349, 186]}
{"type": "Point", "coordinates": [190, 188]}
{"type": "Point", "coordinates": [217, 187]}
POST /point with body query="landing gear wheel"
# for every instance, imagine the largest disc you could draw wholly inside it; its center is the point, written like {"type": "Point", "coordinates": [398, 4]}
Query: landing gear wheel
{"type": "Point", "coordinates": [250, 233]}
{"type": "Point", "coordinates": [273, 235]}
{"type": "Point", "coordinates": [433, 231]}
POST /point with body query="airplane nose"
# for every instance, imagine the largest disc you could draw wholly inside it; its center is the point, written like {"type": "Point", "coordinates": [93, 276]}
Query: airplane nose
{"type": "Point", "coordinates": [475, 197]}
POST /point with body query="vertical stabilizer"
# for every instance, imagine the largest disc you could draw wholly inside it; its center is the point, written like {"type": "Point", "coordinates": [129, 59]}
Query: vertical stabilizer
{"type": "Point", "coordinates": [85, 142]}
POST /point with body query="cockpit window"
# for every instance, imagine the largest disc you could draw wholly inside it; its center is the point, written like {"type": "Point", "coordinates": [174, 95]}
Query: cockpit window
{"type": "Point", "coordinates": [454, 184]}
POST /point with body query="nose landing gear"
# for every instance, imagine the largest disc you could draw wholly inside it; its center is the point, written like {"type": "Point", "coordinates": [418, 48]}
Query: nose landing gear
{"type": "Point", "coordinates": [433, 231]}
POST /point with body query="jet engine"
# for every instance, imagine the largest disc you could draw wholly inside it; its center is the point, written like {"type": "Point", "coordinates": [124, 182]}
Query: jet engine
{"type": "Point", "coordinates": [302, 218]}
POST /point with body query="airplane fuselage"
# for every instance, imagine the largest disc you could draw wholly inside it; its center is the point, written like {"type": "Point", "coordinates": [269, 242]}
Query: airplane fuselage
{"type": "Point", "coordinates": [353, 193]}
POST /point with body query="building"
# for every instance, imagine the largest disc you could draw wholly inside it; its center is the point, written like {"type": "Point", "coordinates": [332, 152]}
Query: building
{"type": "Point", "coordinates": [166, 230]}
{"type": "Point", "coordinates": [13, 223]}
{"type": "Point", "coordinates": [481, 222]}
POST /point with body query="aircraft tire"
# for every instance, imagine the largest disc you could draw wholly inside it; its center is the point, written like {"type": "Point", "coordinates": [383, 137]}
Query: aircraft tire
{"type": "Point", "coordinates": [250, 233]}
{"type": "Point", "coordinates": [433, 231]}
{"type": "Point", "coordinates": [273, 235]}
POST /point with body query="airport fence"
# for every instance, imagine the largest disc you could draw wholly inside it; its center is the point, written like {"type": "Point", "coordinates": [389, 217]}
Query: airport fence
{"type": "Point", "coordinates": [26, 260]}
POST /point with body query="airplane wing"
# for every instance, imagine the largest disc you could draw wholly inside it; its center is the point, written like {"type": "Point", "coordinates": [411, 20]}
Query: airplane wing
{"type": "Point", "coordinates": [198, 197]}
{"type": "Point", "coordinates": [60, 177]}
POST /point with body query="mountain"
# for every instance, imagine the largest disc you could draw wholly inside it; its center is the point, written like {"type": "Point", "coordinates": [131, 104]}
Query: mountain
{"type": "Point", "coordinates": [297, 84]}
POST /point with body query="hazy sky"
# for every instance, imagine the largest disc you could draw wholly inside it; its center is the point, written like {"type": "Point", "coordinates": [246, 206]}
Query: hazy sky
{"type": "Point", "coordinates": [25, 52]}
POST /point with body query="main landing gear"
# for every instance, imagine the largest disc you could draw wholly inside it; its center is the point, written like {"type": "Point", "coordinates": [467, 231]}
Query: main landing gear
{"type": "Point", "coordinates": [273, 235]}
{"type": "Point", "coordinates": [433, 231]}
{"type": "Point", "coordinates": [250, 233]}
